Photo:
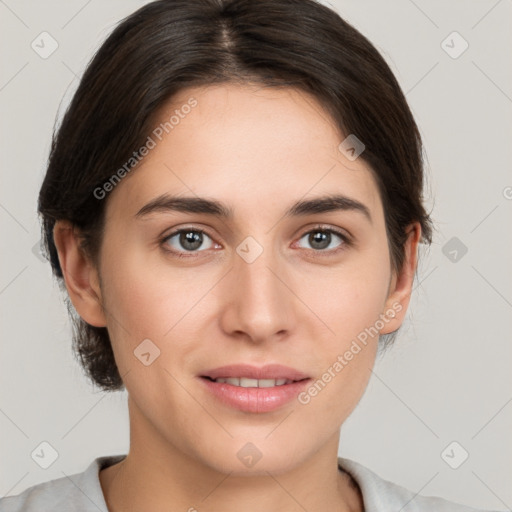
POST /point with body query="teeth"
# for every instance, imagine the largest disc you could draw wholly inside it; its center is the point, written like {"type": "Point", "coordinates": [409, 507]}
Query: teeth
{"type": "Point", "coordinates": [244, 382]}
{"type": "Point", "coordinates": [248, 383]}
{"type": "Point", "coordinates": [268, 383]}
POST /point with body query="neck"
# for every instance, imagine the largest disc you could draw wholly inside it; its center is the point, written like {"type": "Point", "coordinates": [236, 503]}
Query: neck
{"type": "Point", "coordinates": [155, 474]}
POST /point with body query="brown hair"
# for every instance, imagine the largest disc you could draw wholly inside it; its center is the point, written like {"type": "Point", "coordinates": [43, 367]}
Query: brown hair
{"type": "Point", "coordinates": [169, 45]}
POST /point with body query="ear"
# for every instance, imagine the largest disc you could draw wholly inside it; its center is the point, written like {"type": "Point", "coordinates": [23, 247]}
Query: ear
{"type": "Point", "coordinates": [80, 275]}
{"type": "Point", "coordinates": [400, 288]}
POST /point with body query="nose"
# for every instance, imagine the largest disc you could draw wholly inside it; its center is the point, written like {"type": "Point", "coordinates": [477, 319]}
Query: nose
{"type": "Point", "coordinates": [258, 302]}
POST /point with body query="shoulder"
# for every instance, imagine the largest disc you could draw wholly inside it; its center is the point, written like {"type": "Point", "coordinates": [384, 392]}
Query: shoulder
{"type": "Point", "coordinates": [52, 495]}
{"type": "Point", "coordinates": [380, 495]}
{"type": "Point", "coordinates": [80, 492]}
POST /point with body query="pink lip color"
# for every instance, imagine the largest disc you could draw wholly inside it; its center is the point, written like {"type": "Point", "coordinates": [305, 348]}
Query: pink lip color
{"type": "Point", "coordinates": [255, 400]}
{"type": "Point", "coordinates": [269, 371]}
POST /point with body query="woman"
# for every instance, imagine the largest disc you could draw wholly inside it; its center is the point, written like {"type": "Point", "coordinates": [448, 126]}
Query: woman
{"type": "Point", "coordinates": [234, 203]}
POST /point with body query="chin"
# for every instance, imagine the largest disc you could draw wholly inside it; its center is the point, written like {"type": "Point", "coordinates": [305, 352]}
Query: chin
{"type": "Point", "coordinates": [252, 458]}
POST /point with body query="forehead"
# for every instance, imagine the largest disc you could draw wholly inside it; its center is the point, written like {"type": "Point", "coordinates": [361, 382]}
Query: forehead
{"type": "Point", "coordinates": [246, 144]}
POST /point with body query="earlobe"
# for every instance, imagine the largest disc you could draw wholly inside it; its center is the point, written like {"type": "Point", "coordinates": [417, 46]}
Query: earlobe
{"type": "Point", "coordinates": [80, 275]}
{"type": "Point", "coordinates": [400, 291]}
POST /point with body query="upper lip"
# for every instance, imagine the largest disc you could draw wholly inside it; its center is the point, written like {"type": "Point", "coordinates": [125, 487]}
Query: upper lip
{"type": "Point", "coordinates": [270, 371]}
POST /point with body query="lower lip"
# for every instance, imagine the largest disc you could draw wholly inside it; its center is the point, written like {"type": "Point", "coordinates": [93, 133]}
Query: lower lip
{"type": "Point", "coordinates": [256, 400]}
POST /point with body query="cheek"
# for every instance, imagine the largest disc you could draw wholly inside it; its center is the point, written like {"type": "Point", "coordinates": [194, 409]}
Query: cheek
{"type": "Point", "coordinates": [143, 288]}
{"type": "Point", "coordinates": [350, 302]}
{"type": "Point", "coordinates": [348, 299]}
{"type": "Point", "coordinates": [148, 297]}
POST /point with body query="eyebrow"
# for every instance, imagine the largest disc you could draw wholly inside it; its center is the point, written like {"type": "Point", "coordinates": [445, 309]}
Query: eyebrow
{"type": "Point", "coordinates": [323, 204]}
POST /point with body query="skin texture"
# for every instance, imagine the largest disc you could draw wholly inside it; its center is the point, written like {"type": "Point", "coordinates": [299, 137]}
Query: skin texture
{"type": "Point", "coordinates": [258, 151]}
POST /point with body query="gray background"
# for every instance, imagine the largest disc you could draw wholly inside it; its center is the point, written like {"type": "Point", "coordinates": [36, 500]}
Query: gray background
{"type": "Point", "coordinates": [447, 378]}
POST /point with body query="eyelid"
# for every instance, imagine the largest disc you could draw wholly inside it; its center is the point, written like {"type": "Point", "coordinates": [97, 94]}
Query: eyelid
{"type": "Point", "coordinates": [343, 233]}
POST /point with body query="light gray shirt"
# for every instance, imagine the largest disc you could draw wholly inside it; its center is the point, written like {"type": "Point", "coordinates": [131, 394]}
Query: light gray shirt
{"type": "Point", "coordinates": [82, 492]}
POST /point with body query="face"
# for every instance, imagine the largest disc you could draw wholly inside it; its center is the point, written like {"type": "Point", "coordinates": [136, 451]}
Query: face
{"type": "Point", "coordinates": [185, 293]}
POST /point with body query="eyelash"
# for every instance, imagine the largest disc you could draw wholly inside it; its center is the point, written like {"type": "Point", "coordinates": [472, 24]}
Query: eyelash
{"type": "Point", "coordinates": [347, 242]}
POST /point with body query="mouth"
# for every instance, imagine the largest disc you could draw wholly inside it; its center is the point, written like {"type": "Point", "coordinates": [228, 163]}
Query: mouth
{"type": "Point", "coordinates": [244, 382]}
{"type": "Point", "coordinates": [268, 372]}
{"type": "Point", "coordinates": [252, 389]}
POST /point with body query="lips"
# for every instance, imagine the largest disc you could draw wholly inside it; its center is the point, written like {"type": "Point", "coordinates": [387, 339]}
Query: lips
{"type": "Point", "coordinates": [252, 389]}
{"type": "Point", "coordinates": [271, 371]}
